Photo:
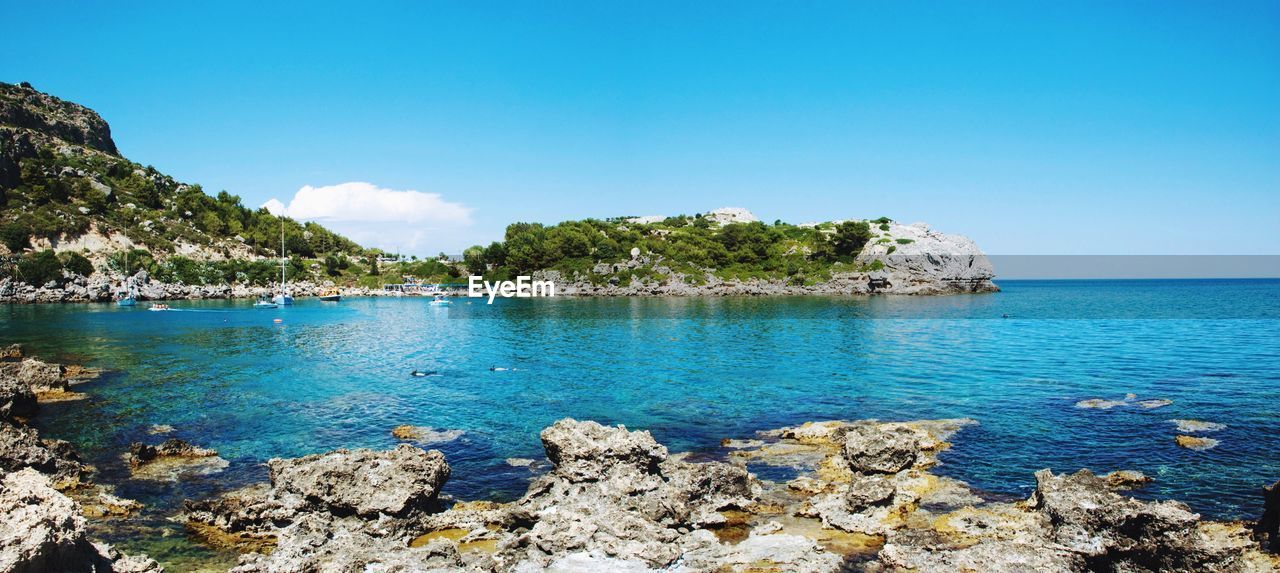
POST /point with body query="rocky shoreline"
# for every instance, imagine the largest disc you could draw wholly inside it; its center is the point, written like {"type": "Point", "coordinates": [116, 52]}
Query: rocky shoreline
{"type": "Point", "coordinates": [864, 497]}
{"type": "Point", "coordinates": [616, 500]}
{"type": "Point", "coordinates": [46, 495]}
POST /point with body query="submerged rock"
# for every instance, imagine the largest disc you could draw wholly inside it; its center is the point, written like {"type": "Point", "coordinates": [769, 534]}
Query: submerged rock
{"type": "Point", "coordinates": [1099, 404]}
{"type": "Point", "coordinates": [141, 454]}
{"type": "Point", "coordinates": [1126, 479]}
{"type": "Point", "coordinates": [1197, 426]}
{"type": "Point", "coordinates": [11, 352]}
{"type": "Point", "coordinates": [425, 434]}
{"type": "Point", "coordinates": [1196, 443]}
{"type": "Point", "coordinates": [171, 460]}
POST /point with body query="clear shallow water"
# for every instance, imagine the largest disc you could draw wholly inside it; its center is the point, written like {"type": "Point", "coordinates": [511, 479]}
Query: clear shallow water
{"type": "Point", "coordinates": [692, 371]}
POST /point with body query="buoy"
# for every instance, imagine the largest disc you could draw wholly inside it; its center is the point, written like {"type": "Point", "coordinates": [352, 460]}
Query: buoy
{"type": "Point", "coordinates": [278, 320]}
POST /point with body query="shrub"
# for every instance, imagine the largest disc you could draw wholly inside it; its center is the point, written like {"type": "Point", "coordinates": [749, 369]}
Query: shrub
{"type": "Point", "coordinates": [15, 237]}
{"type": "Point", "coordinates": [77, 263]}
{"type": "Point", "coordinates": [40, 267]}
{"type": "Point", "coordinates": [905, 241]}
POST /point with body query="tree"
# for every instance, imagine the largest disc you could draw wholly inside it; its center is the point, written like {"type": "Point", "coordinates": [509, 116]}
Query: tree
{"type": "Point", "coordinates": [850, 237]}
{"type": "Point", "coordinates": [526, 246]}
{"type": "Point", "coordinates": [373, 265]}
{"type": "Point", "coordinates": [473, 259]}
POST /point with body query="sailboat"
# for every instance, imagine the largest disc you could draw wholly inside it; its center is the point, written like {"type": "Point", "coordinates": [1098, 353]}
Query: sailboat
{"type": "Point", "coordinates": [283, 298]}
{"type": "Point", "coordinates": [130, 296]}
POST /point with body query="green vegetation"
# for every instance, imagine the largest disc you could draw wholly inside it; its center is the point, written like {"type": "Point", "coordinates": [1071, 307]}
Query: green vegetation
{"type": "Point", "coordinates": [683, 246]}
{"type": "Point", "coordinates": [67, 194]}
{"type": "Point", "coordinates": [40, 267]}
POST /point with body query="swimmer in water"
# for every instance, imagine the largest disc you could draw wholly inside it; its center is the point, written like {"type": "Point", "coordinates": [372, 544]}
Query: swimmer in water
{"type": "Point", "coordinates": [417, 374]}
{"type": "Point", "coordinates": [497, 369]}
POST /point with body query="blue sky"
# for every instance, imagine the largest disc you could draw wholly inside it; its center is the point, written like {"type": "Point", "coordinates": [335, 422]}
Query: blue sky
{"type": "Point", "coordinates": [1032, 127]}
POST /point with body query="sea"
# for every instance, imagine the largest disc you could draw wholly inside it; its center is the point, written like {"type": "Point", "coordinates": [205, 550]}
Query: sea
{"type": "Point", "coordinates": [255, 384]}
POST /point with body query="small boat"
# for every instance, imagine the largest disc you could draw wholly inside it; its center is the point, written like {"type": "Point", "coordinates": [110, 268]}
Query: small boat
{"type": "Point", "coordinates": [129, 297]}
{"type": "Point", "coordinates": [439, 300]}
{"type": "Point", "coordinates": [264, 302]}
{"type": "Point", "coordinates": [159, 307]}
{"type": "Point", "coordinates": [331, 295]}
{"type": "Point", "coordinates": [283, 297]}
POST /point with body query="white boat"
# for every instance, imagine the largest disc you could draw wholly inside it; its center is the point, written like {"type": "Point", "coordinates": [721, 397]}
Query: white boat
{"type": "Point", "coordinates": [283, 297]}
{"type": "Point", "coordinates": [264, 302]}
{"type": "Point", "coordinates": [440, 300]}
{"type": "Point", "coordinates": [130, 296]}
{"type": "Point", "coordinates": [159, 307]}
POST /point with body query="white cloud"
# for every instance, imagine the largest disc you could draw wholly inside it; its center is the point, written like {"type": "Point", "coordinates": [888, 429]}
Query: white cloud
{"type": "Point", "coordinates": [404, 221]}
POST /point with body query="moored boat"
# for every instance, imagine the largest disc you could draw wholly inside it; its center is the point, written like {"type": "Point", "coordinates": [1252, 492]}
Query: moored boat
{"type": "Point", "coordinates": [331, 295]}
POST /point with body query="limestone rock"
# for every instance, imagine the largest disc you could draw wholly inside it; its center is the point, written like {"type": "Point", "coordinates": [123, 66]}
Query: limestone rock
{"type": "Point", "coordinates": [868, 490]}
{"type": "Point", "coordinates": [582, 451]}
{"type": "Point", "coordinates": [16, 398]}
{"type": "Point", "coordinates": [396, 482]}
{"type": "Point", "coordinates": [21, 447]}
{"type": "Point", "coordinates": [42, 530]}
{"type": "Point", "coordinates": [881, 449]}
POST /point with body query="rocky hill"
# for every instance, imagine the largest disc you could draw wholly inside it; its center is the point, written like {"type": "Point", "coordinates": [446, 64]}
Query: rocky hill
{"type": "Point", "coordinates": [729, 251]}
{"type": "Point", "coordinates": [64, 186]}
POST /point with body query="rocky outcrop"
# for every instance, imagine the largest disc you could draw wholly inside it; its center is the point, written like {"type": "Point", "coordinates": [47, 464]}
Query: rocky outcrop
{"type": "Point", "coordinates": [354, 487]}
{"type": "Point", "coordinates": [398, 482]}
{"type": "Point", "coordinates": [613, 500]}
{"type": "Point", "coordinates": [22, 106]}
{"type": "Point", "coordinates": [919, 260]}
{"type": "Point", "coordinates": [16, 398]}
{"type": "Point", "coordinates": [21, 447]}
{"type": "Point", "coordinates": [617, 500]}
{"type": "Point", "coordinates": [42, 530]}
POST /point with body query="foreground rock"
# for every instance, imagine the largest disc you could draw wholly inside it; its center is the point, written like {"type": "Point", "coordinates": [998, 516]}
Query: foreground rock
{"type": "Point", "coordinates": [616, 500]}
{"type": "Point", "coordinates": [42, 530]}
{"type": "Point", "coordinates": [344, 488]}
{"type": "Point", "coordinates": [21, 447]}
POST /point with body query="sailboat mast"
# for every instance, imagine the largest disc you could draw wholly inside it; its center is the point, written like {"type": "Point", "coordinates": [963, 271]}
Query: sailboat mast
{"type": "Point", "coordinates": [282, 255]}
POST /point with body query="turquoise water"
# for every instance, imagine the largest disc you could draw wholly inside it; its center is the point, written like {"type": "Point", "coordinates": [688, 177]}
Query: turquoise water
{"type": "Point", "coordinates": [693, 371]}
